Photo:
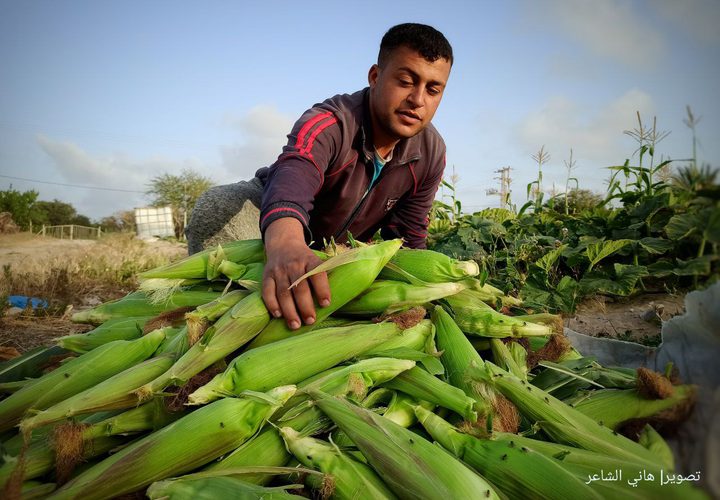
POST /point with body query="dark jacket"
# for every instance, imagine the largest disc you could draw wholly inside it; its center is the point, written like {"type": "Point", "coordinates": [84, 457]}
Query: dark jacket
{"type": "Point", "coordinates": [322, 177]}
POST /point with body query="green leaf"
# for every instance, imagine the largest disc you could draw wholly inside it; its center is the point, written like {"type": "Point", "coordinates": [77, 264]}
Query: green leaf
{"type": "Point", "coordinates": [598, 251]}
{"type": "Point", "coordinates": [624, 283]}
{"type": "Point", "coordinates": [681, 226]}
{"type": "Point", "coordinates": [548, 260]}
{"type": "Point", "coordinates": [699, 266]}
{"type": "Point", "coordinates": [656, 246]}
{"type": "Point", "coordinates": [712, 229]}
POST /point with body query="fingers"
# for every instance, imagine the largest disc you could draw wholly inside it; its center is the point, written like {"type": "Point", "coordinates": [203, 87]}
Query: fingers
{"type": "Point", "coordinates": [321, 287]}
{"type": "Point", "coordinates": [294, 304]}
{"type": "Point", "coordinates": [269, 295]}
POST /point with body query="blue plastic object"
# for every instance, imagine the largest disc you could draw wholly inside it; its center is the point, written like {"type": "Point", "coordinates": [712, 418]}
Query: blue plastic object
{"type": "Point", "coordinates": [22, 302]}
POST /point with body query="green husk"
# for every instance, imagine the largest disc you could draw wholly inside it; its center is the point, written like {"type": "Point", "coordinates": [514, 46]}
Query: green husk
{"type": "Point", "coordinates": [349, 274]}
{"type": "Point", "coordinates": [387, 297]}
{"type": "Point", "coordinates": [351, 479]}
{"type": "Point", "coordinates": [138, 304]}
{"type": "Point", "coordinates": [76, 375]}
{"type": "Point", "coordinates": [294, 359]}
{"type": "Point", "coordinates": [518, 471]}
{"type": "Point", "coordinates": [196, 265]}
{"type": "Point", "coordinates": [123, 328]}
{"type": "Point", "coordinates": [199, 487]}
{"type": "Point", "coordinates": [182, 446]}
{"type": "Point", "coordinates": [428, 266]}
{"type": "Point", "coordinates": [411, 466]}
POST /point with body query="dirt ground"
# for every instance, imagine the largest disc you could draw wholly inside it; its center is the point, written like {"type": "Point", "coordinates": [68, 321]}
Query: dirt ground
{"type": "Point", "coordinates": [636, 319]}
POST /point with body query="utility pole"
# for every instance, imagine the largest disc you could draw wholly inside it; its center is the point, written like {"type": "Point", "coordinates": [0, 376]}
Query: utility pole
{"type": "Point", "coordinates": [504, 191]}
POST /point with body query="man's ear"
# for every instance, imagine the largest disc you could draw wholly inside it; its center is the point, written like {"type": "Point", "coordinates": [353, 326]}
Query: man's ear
{"type": "Point", "coordinates": [373, 74]}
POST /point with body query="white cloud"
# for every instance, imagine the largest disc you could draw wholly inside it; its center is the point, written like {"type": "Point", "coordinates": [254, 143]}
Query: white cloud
{"type": "Point", "coordinates": [263, 133]}
{"type": "Point", "coordinates": [596, 137]}
{"type": "Point", "coordinates": [76, 166]}
{"type": "Point", "coordinates": [697, 18]}
{"type": "Point", "coordinates": [608, 28]}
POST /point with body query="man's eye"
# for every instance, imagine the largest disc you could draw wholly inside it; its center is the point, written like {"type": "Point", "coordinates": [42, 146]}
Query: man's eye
{"type": "Point", "coordinates": [406, 83]}
{"type": "Point", "coordinates": [433, 91]}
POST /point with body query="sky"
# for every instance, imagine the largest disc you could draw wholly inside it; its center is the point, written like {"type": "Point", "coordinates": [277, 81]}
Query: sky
{"type": "Point", "coordinates": [99, 97]}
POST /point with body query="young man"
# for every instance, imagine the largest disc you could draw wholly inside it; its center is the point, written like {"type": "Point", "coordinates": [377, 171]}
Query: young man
{"type": "Point", "coordinates": [354, 164]}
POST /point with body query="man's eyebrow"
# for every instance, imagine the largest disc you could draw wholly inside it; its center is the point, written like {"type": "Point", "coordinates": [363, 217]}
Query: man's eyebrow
{"type": "Point", "coordinates": [417, 77]}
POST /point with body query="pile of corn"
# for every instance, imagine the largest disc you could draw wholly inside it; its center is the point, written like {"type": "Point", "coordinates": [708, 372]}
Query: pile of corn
{"type": "Point", "coordinates": [411, 384]}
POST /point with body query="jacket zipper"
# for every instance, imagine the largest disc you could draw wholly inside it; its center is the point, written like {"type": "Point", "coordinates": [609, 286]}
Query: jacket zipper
{"type": "Point", "coordinates": [357, 208]}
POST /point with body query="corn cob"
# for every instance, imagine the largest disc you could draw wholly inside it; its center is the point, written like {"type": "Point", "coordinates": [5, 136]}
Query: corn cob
{"type": "Point", "coordinates": [562, 422]}
{"type": "Point", "coordinates": [194, 440]}
{"type": "Point", "coordinates": [429, 266]}
{"type": "Point", "coordinates": [475, 317]}
{"type": "Point", "coordinates": [200, 487]}
{"type": "Point", "coordinates": [653, 441]}
{"type": "Point", "coordinates": [29, 364]}
{"type": "Point", "coordinates": [196, 265]}
{"type": "Point", "coordinates": [77, 375]}
{"type": "Point", "coordinates": [457, 355]}
{"type": "Point", "coordinates": [519, 472]}
{"type": "Point", "coordinates": [114, 329]}
{"type": "Point", "coordinates": [294, 359]}
{"type": "Point", "coordinates": [614, 407]}
{"type": "Point", "coordinates": [387, 297]}
{"type": "Point", "coordinates": [235, 328]}
{"type": "Point", "coordinates": [348, 275]}
{"type": "Point", "coordinates": [10, 387]}
{"type": "Point", "coordinates": [266, 449]}
{"type": "Point", "coordinates": [115, 393]}
{"type": "Point", "coordinates": [419, 384]}
{"type": "Point", "coordinates": [138, 304]}
{"type": "Point", "coordinates": [350, 479]}
{"type": "Point", "coordinates": [411, 466]}
{"type": "Point", "coordinates": [505, 359]}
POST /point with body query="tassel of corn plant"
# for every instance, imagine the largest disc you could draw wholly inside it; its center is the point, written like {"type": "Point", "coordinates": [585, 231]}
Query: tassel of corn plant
{"type": "Point", "coordinates": [518, 472]}
{"type": "Point", "coordinates": [475, 317]}
{"type": "Point", "coordinates": [138, 304]}
{"type": "Point", "coordinates": [196, 265]}
{"type": "Point", "coordinates": [114, 329]}
{"type": "Point", "coordinates": [562, 422]}
{"type": "Point", "coordinates": [187, 443]}
{"type": "Point", "coordinates": [411, 466]}
{"type": "Point", "coordinates": [349, 274]}
{"type": "Point", "coordinates": [204, 486]}
{"type": "Point", "coordinates": [350, 479]}
{"type": "Point", "coordinates": [115, 393]}
{"type": "Point", "coordinates": [294, 359]}
{"type": "Point", "coordinates": [233, 330]}
{"type": "Point", "coordinates": [77, 375]}
{"type": "Point", "coordinates": [429, 266]}
{"type": "Point", "coordinates": [419, 384]}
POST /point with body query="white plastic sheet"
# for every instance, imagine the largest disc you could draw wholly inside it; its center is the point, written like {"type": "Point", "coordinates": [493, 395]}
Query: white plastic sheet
{"type": "Point", "coordinates": [692, 343]}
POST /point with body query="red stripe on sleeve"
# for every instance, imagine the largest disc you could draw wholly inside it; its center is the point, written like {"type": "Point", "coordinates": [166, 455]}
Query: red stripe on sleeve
{"type": "Point", "coordinates": [412, 171]}
{"type": "Point", "coordinates": [283, 209]}
{"type": "Point", "coordinates": [311, 139]}
{"type": "Point", "coordinates": [307, 126]}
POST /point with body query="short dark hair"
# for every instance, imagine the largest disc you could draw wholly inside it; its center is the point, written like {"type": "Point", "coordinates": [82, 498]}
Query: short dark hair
{"type": "Point", "coordinates": [426, 40]}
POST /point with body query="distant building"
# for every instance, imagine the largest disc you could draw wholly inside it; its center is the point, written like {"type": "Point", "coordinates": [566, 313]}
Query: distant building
{"type": "Point", "coordinates": [154, 222]}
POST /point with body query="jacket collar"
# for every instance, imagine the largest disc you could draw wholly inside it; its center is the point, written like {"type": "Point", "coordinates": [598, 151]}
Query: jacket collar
{"type": "Point", "coordinates": [405, 151]}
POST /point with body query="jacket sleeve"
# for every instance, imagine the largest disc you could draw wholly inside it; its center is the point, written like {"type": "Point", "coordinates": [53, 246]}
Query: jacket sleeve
{"type": "Point", "coordinates": [409, 220]}
{"type": "Point", "coordinates": [295, 178]}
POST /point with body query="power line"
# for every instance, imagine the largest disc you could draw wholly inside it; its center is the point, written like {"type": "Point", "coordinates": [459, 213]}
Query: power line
{"type": "Point", "coordinates": [72, 185]}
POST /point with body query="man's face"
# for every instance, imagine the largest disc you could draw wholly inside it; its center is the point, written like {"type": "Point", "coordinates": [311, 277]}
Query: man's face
{"type": "Point", "coordinates": [405, 93]}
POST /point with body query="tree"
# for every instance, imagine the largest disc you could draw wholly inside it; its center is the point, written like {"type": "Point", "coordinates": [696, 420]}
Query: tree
{"type": "Point", "coordinates": [180, 192]}
{"type": "Point", "coordinates": [22, 206]}
{"type": "Point", "coordinates": [57, 213]}
{"type": "Point", "coordinates": [119, 221]}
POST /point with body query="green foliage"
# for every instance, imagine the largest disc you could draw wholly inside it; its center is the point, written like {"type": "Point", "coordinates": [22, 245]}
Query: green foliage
{"type": "Point", "coordinates": [22, 206]}
{"type": "Point", "coordinates": [180, 192]}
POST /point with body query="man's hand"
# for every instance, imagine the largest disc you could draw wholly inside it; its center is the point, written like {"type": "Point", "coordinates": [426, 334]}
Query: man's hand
{"type": "Point", "coordinates": [288, 258]}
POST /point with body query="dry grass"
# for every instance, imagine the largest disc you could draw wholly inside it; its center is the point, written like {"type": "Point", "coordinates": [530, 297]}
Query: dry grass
{"type": "Point", "coordinates": [64, 273]}
{"type": "Point", "coordinates": [69, 274]}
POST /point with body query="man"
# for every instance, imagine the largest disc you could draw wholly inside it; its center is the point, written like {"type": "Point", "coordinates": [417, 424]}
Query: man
{"type": "Point", "coordinates": [353, 164]}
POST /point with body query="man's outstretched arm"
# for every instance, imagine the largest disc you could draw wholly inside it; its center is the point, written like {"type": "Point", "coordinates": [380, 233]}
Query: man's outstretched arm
{"type": "Point", "coordinates": [288, 258]}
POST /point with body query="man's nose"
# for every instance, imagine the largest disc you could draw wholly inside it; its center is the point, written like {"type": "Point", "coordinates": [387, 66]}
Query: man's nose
{"type": "Point", "coordinates": [416, 97]}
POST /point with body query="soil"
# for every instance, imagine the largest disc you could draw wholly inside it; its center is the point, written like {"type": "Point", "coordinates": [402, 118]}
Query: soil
{"type": "Point", "coordinates": [637, 319]}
